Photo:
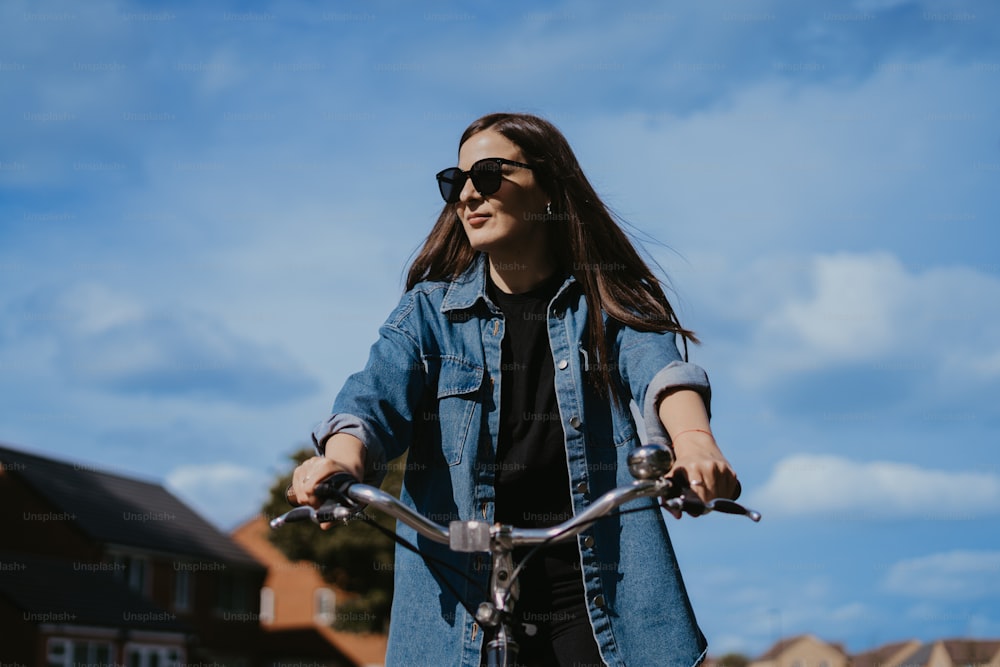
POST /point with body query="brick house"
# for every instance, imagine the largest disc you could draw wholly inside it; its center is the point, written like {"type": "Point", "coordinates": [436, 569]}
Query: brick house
{"type": "Point", "coordinates": [299, 607]}
{"type": "Point", "coordinates": [99, 568]}
{"type": "Point", "coordinates": [809, 651]}
{"type": "Point", "coordinates": [952, 653]}
{"type": "Point", "coordinates": [802, 651]}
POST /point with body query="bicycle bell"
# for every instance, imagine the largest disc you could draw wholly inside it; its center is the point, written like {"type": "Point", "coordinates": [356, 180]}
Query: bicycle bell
{"type": "Point", "coordinates": [650, 461]}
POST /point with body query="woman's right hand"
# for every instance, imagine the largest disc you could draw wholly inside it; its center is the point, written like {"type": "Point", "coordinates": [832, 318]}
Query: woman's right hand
{"type": "Point", "coordinates": [343, 453]}
{"type": "Point", "coordinates": [307, 475]}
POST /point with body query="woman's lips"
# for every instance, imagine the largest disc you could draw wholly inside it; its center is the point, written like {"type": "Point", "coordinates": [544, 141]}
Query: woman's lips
{"type": "Point", "coordinates": [477, 219]}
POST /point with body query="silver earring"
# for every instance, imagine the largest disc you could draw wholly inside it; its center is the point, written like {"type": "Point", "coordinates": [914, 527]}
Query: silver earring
{"type": "Point", "coordinates": [548, 209]}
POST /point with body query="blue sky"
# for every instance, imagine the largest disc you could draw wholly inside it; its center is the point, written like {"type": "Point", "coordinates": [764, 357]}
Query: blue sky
{"type": "Point", "coordinates": [206, 211]}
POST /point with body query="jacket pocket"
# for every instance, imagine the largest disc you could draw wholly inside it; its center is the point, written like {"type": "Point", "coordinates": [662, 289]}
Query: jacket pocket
{"type": "Point", "coordinates": [625, 432]}
{"type": "Point", "coordinates": [610, 426]}
{"type": "Point", "coordinates": [458, 394]}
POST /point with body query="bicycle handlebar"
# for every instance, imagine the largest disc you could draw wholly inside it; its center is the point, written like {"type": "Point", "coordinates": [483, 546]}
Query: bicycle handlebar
{"type": "Point", "coordinates": [346, 498]}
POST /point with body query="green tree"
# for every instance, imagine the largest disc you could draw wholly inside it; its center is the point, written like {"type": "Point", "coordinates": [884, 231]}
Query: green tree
{"type": "Point", "coordinates": [733, 660]}
{"type": "Point", "coordinates": [355, 557]}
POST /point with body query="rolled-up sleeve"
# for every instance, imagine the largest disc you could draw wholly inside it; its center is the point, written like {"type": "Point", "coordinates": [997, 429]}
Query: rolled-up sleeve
{"type": "Point", "coordinates": [377, 405]}
{"type": "Point", "coordinates": [650, 366]}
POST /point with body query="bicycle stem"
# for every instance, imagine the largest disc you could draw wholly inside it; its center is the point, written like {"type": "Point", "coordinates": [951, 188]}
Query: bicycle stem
{"type": "Point", "coordinates": [505, 589]}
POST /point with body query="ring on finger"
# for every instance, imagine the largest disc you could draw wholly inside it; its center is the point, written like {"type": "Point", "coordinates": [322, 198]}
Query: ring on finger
{"type": "Point", "coordinates": [694, 482]}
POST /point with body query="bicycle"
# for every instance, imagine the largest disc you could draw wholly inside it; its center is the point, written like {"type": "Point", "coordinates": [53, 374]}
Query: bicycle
{"type": "Point", "coordinates": [649, 465]}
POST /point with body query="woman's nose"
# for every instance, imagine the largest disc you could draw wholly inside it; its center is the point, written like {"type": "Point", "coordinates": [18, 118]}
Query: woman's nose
{"type": "Point", "coordinates": [468, 192]}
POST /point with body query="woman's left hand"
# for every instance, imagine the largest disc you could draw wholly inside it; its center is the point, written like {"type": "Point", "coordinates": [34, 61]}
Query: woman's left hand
{"type": "Point", "coordinates": [703, 465]}
{"type": "Point", "coordinates": [698, 460]}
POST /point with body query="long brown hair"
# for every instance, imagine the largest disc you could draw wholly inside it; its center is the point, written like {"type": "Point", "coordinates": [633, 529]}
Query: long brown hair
{"type": "Point", "coordinates": [583, 235]}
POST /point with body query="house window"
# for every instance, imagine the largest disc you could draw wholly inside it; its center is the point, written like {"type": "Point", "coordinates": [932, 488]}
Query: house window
{"type": "Point", "coordinates": [182, 590]}
{"type": "Point", "coordinates": [133, 570]}
{"type": "Point", "coordinates": [71, 652]}
{"type": "Point", "coordinates": [142, 655]}
{"type": "Point", "coordinates": [233, 593]}
{"type": "Point", "coordinates": [324, 606]}
{"type": "Point", "coordinates": [266, 605]}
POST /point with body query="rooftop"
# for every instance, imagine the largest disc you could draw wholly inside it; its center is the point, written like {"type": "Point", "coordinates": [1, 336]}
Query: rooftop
{"type": "Point", "coordinates": [117, 510]}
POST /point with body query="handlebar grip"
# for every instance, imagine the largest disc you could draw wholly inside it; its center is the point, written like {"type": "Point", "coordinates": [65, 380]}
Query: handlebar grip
{"type": "Point", "coordinates": [727, 506]}
{"type": "Point", "coordinates": [335, 488]}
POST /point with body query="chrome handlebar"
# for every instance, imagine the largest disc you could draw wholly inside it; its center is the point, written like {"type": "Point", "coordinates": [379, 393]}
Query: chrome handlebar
{"type": "Point", "coordinates": [649, 464]}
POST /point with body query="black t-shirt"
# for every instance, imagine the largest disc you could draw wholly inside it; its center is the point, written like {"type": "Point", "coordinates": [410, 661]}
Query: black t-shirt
{"type": "Point", "coordinates": [532, 478]}
{"type": "Point", "coordinates": [531, 482]}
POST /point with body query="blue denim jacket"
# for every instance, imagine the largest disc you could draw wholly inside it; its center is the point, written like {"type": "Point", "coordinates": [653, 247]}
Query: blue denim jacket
{"type": "Point", "coordinates": [431, 388]}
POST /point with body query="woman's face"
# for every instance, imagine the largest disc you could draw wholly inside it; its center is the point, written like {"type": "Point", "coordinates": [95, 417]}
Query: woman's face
{"type": "Point", "coordinates": [511, 220]}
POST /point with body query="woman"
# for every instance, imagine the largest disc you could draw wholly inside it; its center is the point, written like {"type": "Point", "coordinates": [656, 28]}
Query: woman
{"type": "Point", "coordinates": [529, 324]}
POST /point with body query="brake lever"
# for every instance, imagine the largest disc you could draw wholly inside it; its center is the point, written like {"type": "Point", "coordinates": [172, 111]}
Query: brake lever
{"type": "Point", "coordinates": [328, 512]}
{"type": "Point", "coordinates": [682, 498]}
{"type": "Point", "coordinates": [300, 513]}
{"type": "Point", "coordinates": [727, 506]}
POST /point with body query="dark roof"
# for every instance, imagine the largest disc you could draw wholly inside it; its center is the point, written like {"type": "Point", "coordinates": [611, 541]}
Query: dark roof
{"type": "Point", "coordinates": [961, 651]}
{"type": "Point", "coordinates": [879, 657]}
{"type": "Point", "coordinates": [118, 510]}
{"type": "Point", "coordinates": [972, 651]}
{"type": "Point", "coordinates": [46, 590]}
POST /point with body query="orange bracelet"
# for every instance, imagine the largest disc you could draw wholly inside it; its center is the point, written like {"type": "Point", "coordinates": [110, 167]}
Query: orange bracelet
{"type": "Point", "coordinates": [693, 430]}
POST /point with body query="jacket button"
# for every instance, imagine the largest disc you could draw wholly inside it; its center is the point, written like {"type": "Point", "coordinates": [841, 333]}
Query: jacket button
{"type": "Point", "coordinates": [563, 364]}
{"type": "Point", "coordinates": [588, 541]}
{"type": "Point", "coordinates": [581, 487]}
{"type": "Point", "coordinates": [575, 421]}
{"type": "Point", "coordinates": [599, 601]}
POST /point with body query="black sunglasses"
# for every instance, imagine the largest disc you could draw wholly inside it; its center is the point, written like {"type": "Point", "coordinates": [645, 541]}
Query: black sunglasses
{"type": "Point", "coordinates": [485, 174]}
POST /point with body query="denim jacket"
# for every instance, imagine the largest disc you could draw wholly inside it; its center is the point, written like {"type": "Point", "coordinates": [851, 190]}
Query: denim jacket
{"type": "Point", "coordinates": [431, 388]}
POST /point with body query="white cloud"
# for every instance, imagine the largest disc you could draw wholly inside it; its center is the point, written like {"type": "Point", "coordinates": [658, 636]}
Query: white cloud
{"type": "Point", "coordinates": [225, 493]}
{"type": "Point", "coordinates": [851, 313]}
{"type": "Point", "coordinates": [830, 486]}
{"type": "Point", "coordinates": [870, 310]}
{"type": "Point", "coordinates": [951, 575]}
